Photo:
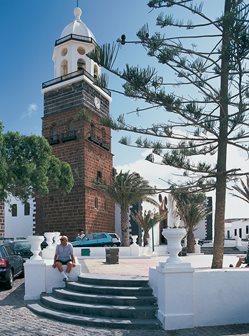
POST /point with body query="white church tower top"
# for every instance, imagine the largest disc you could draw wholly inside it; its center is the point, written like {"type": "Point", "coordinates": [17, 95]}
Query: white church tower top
{"type": "Point", "coordinates": [77, 27]}
{"type": "Point", "coordinates": [70, 52]}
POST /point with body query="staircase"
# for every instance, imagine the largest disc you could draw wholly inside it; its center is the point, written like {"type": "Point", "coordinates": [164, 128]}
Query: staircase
{"type": "Point", "coordinates": [106, 302]}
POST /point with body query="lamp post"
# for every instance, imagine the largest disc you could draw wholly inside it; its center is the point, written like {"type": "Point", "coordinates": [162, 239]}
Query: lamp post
{"type": "Point", "coordinates": [152, 219]}
{"type": "Point", "coordinates": [153, 246]}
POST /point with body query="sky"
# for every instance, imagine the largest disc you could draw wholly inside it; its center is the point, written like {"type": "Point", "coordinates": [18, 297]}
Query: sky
{"type": "Point", "coordinates": [29, 29]}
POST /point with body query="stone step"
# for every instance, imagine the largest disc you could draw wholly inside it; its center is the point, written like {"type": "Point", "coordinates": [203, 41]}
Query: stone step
{"type": "Point", "coordinates": [105, 299]}
{"type": "Point", "coordinates": [101, 322]}
{"type": "Point", "coordinates": [99, 310]}
{"type": "Point", "coordinates": [110, 280]}
{"type": "Point", "coordinates": [102, 301]}
{"type": "Point", "coordinates": [109, 290]}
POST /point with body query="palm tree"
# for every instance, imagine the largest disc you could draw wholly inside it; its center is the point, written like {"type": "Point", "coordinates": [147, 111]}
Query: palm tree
{"type": "Point", "coordinates": [127, 189]}
{"type": "Point", "coordinates": [191, 207]}
{"type": "Point", "coordinates": [146, 221]}
{"type": "Point", "coordinates": [163, 210]}
{"type": "Point", "coordinates": [243, 190]}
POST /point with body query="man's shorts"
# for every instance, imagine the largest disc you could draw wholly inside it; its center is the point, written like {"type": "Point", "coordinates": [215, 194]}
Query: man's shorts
{"type": "Point", "coordinates": [64, 262]}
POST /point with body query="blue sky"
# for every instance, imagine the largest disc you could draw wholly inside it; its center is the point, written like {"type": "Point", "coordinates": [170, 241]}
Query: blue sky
{"type": "Point", "coordinates": [28, 33]}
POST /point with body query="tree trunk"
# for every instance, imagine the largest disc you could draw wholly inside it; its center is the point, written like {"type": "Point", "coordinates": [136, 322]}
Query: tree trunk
{"type": "Point", "coordinates": [125, 227]}
{"type": "Point", "coordinates": [190, 241]}
{"type": "Point", "coordinates": [146, 237]}
{"type": "Point", "coordinates": [219, 226]}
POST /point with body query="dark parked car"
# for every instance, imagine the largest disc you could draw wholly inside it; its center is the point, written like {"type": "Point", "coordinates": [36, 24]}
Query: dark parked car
{"type": "Point", "coordinates": [22, 248]}
{"type": "Point", "coordinates": [11, 265]}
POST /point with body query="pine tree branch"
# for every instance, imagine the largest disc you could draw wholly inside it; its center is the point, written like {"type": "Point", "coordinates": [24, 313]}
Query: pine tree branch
{"type": "Point", "coordinates": [159, 4]}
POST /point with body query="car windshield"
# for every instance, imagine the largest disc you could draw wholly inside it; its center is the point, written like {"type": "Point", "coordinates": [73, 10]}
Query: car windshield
{"type": "Point", "coordinates": [88, 236]}
{"type": "Point", "coordinates": [114, 235]}
{"type": "Point", "coordinates": [21, 246]}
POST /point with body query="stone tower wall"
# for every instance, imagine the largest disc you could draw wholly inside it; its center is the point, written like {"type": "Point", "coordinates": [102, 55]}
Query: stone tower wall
{"type": "Point", "coordinates": [85, 145]}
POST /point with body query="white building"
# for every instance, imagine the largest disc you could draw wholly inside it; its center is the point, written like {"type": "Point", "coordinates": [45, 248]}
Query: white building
{"type": "Point", "coordinates": [19, 218]}
{"type": "Point", "coordinates": [236, 227]}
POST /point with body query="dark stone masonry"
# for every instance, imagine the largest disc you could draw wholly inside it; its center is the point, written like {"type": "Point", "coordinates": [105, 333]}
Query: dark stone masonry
{"type": "Point", "coordinates": [86, 146]}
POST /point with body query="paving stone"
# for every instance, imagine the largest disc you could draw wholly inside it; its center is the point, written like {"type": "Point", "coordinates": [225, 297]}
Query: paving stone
{"type": "Point", "coordinates": [17, 320]}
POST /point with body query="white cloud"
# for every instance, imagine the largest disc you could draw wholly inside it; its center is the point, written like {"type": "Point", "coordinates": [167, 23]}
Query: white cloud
{"type": "Point", "coordinates": [31, 110]}
{"type": "Point", "coordinates": [157, 174]}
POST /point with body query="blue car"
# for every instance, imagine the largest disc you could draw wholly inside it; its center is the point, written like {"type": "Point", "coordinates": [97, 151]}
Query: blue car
{"type": "Point", "coordinates": [94, 239]}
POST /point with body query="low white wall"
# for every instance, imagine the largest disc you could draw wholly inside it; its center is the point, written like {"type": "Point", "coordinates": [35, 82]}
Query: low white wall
{"type": "Point", "coordinates": [40, 277]}
{"type": "Point", "coordinates": [99, 252]}
{"type": "Point", "coordinates": [221, 296]}
{"type": "Point", "coordinates": [189, 298]}
{"type": "Point", "coordinates": [131, 251]}
{"type": "Point", "coordinates": [231, 243]}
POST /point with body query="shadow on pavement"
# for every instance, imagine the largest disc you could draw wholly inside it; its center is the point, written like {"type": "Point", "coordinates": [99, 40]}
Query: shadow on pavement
{"type": "Point", "coordinates": [13, 297]}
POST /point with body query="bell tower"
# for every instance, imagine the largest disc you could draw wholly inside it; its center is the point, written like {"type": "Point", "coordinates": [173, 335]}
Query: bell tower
{"type": "Point", "coordinates": [82, 142]}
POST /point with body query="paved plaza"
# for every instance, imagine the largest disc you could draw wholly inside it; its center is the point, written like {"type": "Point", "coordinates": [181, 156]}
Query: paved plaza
{"type": "Point", "coordinates": [17, 320]}
{"type": "Point", "coordinates": [140, 267]}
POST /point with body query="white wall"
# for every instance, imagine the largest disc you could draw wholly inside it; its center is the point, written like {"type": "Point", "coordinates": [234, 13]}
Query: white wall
{"type": "Point", "coordinates": [200, 232]}
{"type": "Point", "coordinates": [237, 224]}
{"type": "Point", "coordinates": [21, 225]}
{"type": "Point", "coordinates": [189, 298]}
{"type": "Point", "coordinates": [221, 297]}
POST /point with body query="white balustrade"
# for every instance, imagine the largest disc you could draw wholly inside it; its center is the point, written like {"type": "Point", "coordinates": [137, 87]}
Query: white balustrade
{"type": "Point", "coordinates": [35, 242]}
{"type": "Point", "coordinates": [49, 251]}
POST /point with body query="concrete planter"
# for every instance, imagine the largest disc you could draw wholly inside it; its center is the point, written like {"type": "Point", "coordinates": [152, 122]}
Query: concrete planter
{"type": "Point", "coordinates": [174, 237]}
{"type": "Point", "coordinates": [35, 242]}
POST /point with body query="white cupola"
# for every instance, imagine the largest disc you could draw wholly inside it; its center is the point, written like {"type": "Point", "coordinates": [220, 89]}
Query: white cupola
{"type": "Point", "coordinates": [70, 50]}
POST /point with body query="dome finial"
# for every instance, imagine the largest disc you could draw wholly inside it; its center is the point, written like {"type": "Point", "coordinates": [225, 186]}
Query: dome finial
{"type": "Point", "coordinates": [77, 13]}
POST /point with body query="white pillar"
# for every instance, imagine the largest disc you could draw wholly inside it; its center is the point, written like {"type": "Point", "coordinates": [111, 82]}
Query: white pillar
{"type": "Point", "coordinates": [173, 284]}
{"type": "Point", "coordinates": [197, 246]}
{"type": "Point", "coordinates": [35, 276]}
{"type": "Point", "coordinates": [134, 247]}
{"type": "Point", "coordinates": [49, 251]}
{"type": "Point", "coordinates": [238, 241]}
{"type": "Point", "coordinates": [175, 291]}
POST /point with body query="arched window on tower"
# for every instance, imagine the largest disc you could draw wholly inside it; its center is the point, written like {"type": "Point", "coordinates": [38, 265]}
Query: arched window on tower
{"type": "Point", "coordinates": [92, 131]}
{"type": "Point", "coordinates": [64, 68]}
{"type": "Point", "coordinates": [81, 64]}
{"type": "Point", "coordinates": [54, 137]}
{"type": "Point", "coordinates": [99, 176]}
{"type": "Point", "coordinates": [72, 125]}
{"type": "Point", "coordinates": [96, 203]}
{"type": "Point", "coordinates": [105, 143]}
{"type": "Point", "coordinates": [103, 134]}
{"type": "Point", "coordinates": [71, 133]}
{"type": "Point", "coordinates": [95, 71]}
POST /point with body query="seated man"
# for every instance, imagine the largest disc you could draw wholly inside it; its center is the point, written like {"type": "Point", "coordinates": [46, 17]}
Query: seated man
{"type": "Point", "coordinates": [64, 256]}
{"type": "Point", "coordinates": [80, 236]}
{"type": "Point", "coordinates": [241, 261]}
